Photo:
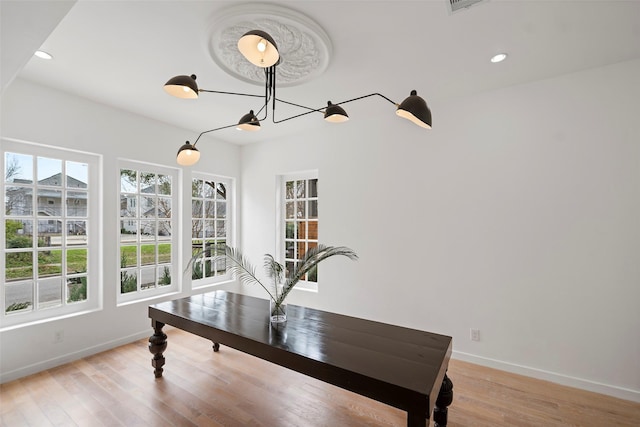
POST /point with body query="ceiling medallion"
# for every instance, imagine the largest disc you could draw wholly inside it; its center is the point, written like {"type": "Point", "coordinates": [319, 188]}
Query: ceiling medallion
{"type": "Point", "coordinates": [305, 49]}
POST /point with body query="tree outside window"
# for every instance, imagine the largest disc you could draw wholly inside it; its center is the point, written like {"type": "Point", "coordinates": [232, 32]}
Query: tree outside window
{"type": "Point", "coordinates": [147, 241]}
{"type": "Point", "coordinates": [50, 232]}
{"type": "Point", "coordinates": [300, 213]}
{"type": "Point", "coordinates": [210, 227]}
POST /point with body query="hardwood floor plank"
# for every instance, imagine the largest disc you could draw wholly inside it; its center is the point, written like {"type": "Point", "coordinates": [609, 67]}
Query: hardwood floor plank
{"type": "Point", "coordinates": [25, 404]}
{"type": "Point", "coordinates": [228, 388]}
{"type": "Point", "coordinates": [177, 399]}
{"type": "Point", "coordinates": [524, 401]}
{"type": "Point", "coordinates": [112, 398]}
{"type": "Point", "coordinates": [209, 395]}
{"type": "Point", "coordinates": [126, 380]}
{"type": "Point", "coordinates": [57, 397]}
{"type": "Point", "coordinates": [13, 397]}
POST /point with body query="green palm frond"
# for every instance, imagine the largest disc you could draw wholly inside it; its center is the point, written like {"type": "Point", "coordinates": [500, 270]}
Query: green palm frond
{"type": "Point", "coordinates": [274, 269]}
{"type": "Point", "coordinates": [311, 259]}
{"type": "Point", "coordinates": [208, 250]}
{"type": "Point", "coordinates": [240, 266]}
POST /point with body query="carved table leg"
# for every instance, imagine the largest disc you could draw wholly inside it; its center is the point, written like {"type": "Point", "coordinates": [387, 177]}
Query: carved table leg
{"type": "Point", "coordinates": [445, 397]}
{"type": "Point", "coordinates": [417, 420]}
{"type": "Point", "coordinates": [216, 346]}
{"type": "Point", "coordinates": [157, 345]}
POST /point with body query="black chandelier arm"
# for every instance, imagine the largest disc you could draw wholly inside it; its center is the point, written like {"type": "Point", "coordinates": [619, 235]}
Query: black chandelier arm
{"type": "Point", "coordinates": [235, 124]}
{"type": "Point", "coordinates": [367, 96]}
{"type": "Point", "coordinates": [312, 110]}
{"type": "Point", "coordinates": [265, 106]}
{"type": "Point", "coordinates": [213, 130]}
{"type": "Point", "coordinates": [273, 115]}
{"type": "Point", "coordinates": [268, 85]}
{"type": "Point", "coordinates": [230, 93]}
{"type": "Point", "coordinates": [266, 112]}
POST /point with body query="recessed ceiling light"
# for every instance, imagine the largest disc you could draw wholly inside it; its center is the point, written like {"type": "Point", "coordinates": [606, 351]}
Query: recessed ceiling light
{"type": "Point", "coordinates": [499, 57]}
{"type": "Point", "coordinates": [42, 54]}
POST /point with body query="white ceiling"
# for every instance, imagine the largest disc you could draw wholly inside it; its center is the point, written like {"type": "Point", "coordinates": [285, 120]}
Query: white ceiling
{"type": "Point", "coordinates": [120, 53]}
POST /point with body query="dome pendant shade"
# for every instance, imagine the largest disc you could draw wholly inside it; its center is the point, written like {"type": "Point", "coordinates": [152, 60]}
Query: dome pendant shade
{"type": "Point", "coordinates": [249, 122]}
{"type": "Point", "coordinates": [335, 113]}
{"type": "Point", "coordinates": [182, 87]}
{"type": "Point", "coordinates": [188, 155]}
{"type": "Point", "coordinates": [259, 48]}
{"type": "Point", "coordinates": [415, 109]}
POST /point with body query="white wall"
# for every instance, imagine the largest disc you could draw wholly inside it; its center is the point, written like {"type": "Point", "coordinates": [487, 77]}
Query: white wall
{"type": "Point", "coordinates": [41, 115]}
{"type": "Point", "coordinates": [518, 215]}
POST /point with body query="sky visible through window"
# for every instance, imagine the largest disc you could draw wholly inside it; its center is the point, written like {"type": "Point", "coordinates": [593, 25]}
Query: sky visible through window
{"type": "Point", "coordinates": [46, 168]}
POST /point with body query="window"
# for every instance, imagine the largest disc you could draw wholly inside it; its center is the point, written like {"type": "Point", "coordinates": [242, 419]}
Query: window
{"type": "Point", "coordinates": [51, 224]}
{"type": "Point", "coordinates": [299, 204]}
{"type": "Point", "coordinates": [210, 226]}
{"type": "Point", "coordinates": [148, 244]}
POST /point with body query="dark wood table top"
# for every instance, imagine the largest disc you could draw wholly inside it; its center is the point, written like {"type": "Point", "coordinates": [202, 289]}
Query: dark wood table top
{"type": "Point", "coordinates": [399, 366]}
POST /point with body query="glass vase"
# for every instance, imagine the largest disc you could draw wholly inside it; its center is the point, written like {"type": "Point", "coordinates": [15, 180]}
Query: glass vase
{"type": "Point", "coordinates": [277, 312]}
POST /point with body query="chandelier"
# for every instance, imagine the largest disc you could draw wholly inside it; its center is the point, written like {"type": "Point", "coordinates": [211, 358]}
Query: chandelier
{"type": "Point", "coordinates": [260, 49]}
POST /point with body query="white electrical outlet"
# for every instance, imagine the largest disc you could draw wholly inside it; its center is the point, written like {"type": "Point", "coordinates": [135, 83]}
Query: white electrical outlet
{"type": "Point", "coordinates": [58, 336]}
{"type": "Point", "coordinates": [475, 334]}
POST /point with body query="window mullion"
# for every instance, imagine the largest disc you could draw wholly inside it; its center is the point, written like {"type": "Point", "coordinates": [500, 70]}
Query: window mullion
{"type": "Point", "coordinates": [43, 183]}
{"type": "Point", "coordinates": [211, 219]}
{"type": "Point", "coordinates": [147, 200]}
{"type": "Point", "coordinates": [295, 207]}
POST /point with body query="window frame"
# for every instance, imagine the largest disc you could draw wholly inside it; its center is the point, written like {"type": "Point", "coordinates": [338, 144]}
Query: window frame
{"type": "Point", "coordinates": [281, 219]}
{"type": "Point", "coordinates": [94, 226]}
{"type": "Point", "coordinates": [174, 264]}
{"type": "Point", "coordinates": [229, 220]}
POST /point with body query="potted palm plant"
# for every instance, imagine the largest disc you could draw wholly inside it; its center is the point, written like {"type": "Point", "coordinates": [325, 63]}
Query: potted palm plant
{"type": "Point", "coordinates": [280, 284]}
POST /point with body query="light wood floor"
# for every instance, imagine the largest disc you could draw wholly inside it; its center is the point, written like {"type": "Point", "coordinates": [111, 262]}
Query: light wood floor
{"type": "Point", "coordinates": [203, 388]}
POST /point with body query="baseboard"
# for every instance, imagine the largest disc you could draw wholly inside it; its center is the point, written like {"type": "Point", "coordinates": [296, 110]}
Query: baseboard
{"type": "Point", "coordinates": [69, 357]}
{"type": "Point", "coordinates": [596, 387]}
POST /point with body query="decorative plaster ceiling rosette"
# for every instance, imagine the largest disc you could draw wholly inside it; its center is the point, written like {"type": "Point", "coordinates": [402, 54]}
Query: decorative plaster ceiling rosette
{"type": "Point", "coordinates": [304, 47]}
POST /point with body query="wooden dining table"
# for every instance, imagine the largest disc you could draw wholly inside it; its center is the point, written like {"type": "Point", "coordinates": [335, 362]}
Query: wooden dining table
{"type": "Point", "coordinates": [402, 367]}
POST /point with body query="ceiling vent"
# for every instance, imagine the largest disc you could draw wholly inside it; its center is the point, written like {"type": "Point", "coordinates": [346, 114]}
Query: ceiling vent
{"type": "Point", "coordinates": [458, 5]}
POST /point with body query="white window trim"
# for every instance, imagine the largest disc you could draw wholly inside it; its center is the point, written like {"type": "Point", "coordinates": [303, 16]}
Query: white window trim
{"type": "Point", "coordinates": [281, 180]}
{"type": "Point", "coordinates": [230, 182]}
{"type": "Point", "coordinates": [176, 274]}
{"type": "Point", "coordinates": [94, 301]}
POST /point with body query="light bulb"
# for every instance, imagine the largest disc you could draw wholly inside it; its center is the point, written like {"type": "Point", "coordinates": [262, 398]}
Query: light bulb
{"type": "Point", "coordinates": [498, 58]}
{"type": "Point", "coordinates": [262, 45]}
{"type": "Point", "coordinates": [42, 54]}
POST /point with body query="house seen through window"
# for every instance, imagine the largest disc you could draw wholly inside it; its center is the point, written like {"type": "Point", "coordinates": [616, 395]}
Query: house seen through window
{"type": "Point", "coordinates": [50, 262]}
{"type": "Point", "coordinates": [147, 244]}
